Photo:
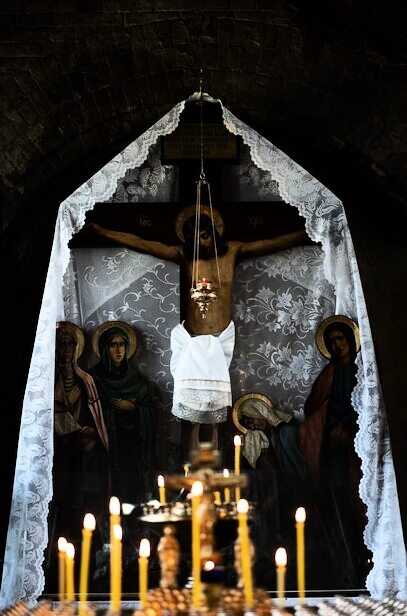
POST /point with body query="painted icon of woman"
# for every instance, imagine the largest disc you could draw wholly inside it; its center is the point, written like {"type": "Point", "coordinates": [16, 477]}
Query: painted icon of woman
{"type": "Point", "coordinates": [77, 407]}
{"type": "Point", "coordinates": [129, 411]}
{"type": "Point", "coordinates": [81, 444]}
{"type": "Point", "coordinates": [326, 441]}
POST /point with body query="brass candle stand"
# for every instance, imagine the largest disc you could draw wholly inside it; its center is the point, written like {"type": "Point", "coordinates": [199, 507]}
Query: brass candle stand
{"type": "Point", "coordinates": [215, 598]}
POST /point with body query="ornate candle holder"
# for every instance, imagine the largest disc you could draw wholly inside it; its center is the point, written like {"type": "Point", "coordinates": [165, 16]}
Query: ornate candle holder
{"type": "Point", "coordinates": [203, 295]}
{"type": "Point", "coordinates": [217, 529]}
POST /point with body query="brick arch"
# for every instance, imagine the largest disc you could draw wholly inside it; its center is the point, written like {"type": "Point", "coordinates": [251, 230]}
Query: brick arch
{"type": "Point", "coordinates": [83, 78]}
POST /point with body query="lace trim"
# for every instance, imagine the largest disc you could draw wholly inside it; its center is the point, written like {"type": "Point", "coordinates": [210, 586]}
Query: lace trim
{"type": "Point", "coordinates": [204, 417]}
{"type": "Point", "coordinates": [202, 400]}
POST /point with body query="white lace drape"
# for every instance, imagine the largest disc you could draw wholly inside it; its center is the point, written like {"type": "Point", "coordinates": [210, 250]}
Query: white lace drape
{"type": "Point", "coordinates": [325, 223]}
{"type": "Point", "coordinates": [27, 537]}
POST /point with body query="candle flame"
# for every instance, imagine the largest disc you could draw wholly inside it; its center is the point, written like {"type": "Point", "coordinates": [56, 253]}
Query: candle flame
{"type": "Point", "coordinates": [197, 488]}
{"type": "Point", "coordinates": [209, 565]}
{"type": "Point", "coordinates": [237, 441]}
{"type": "Point", "coordinates": [89, 522]}
{"type": "Point", "coordinates": [281, 557]}
{"type": "Point", "coordinates": [225, 472]}
{"type": "Point", "coordinates": [242, 506]}
{"type": "Point", "coordinates": [300, 515]}
{"type": "Point", "coordinates": [70, 550]}
{"type": "Point", "coordinates": [144, 550]}
{"type": "Point", "coordinates": [62, 543]}
{"type": "Point", "coordinates": [160, 481]}
{"type": "Point", "coordinates": [114, 506]}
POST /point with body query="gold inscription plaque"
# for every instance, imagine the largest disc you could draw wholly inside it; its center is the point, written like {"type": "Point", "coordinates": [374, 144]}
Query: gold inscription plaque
{"type": "Point", "coordinates": [185, 142]}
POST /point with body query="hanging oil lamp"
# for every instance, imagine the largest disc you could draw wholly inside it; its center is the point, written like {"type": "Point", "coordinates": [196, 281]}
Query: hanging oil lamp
{"type": "Point", "coordinates": [203, 295]}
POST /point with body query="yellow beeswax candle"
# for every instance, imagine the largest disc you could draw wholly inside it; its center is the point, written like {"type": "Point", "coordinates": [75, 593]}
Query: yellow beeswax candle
{"type": "Point", "coordinates": [238, 444]}
{"type": "Point", "coordinates": [144, 554]}
{"type": "Point", "coordinates": [89, 524]}
{"type": "Point", "coordinates": [161, 489]}
{"type": "Point", "coordinates": [281, 563]}
{"type": "Point", "coordinates": [116, 572]}
{"type": "Point", "coordinates": [114, 510]}
{"type": "Point", "coordinates": [196, 493]}
{"type": "Point", "coordinates": [62, 543]}
{"type": "Point", "coordinates": [300, 517]}
{"type": "Point", "coordinates": [217, 497]}
{"type": "Point", "coordinates": [70, 564]}
{"type": "Point", "coordinates": [226, 492]}
{"type": "Point", "coordinates": [246, 565]}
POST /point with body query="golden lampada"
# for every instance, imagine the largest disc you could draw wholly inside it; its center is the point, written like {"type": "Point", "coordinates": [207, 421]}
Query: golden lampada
{"type": "Point", "coordinates": [237, 441]}
{"type": "Point", "coordinates": [89, 525]}
{"type": "Point", "coordinates": [144, 555]}
{"type": "Point", "coordinates": [281, 563]}
{"type": "Point", "coordinates": [226, 490]}
{"type": "Point", "coordinates": [161, 489]}
{"type": "Point", "coordinates": [62, 543]}
{"type": "Point", "coordinates": [70, 564]}
{"type": "Point", "coordinates": [116, 573]}
{"type": "Point", "coordinates": [196, 493]}
{"type": "Point", "coordinates": [300, 517]}
{"type": "Point", "coordinates": [246, 565]}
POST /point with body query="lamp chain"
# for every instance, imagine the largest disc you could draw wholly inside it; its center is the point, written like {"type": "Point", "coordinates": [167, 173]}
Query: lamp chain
{"type": "Point", "coordinates": [200, 291]}
{"type": "Point", "coordinates": [202, 174]}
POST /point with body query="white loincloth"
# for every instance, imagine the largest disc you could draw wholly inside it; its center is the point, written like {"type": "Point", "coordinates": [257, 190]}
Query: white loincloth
{"type": "Point", "coordinates": [200, 367]}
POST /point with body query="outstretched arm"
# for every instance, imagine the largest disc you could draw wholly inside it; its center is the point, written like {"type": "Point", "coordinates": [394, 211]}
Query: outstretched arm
{"type": "Point", "coordinates": [129, 240]}
{"type": "Point", "coordinates": [281, 242]}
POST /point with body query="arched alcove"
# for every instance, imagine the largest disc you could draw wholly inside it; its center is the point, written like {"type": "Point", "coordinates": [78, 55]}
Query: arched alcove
{"type": "Point", "coordinates": [324, 83]}
{"type": "Point", "coordinates": [325, 222]}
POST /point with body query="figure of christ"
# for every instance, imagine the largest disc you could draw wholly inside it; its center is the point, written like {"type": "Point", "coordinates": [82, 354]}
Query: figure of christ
{"type": "Point", "coordinates": [197, 341]}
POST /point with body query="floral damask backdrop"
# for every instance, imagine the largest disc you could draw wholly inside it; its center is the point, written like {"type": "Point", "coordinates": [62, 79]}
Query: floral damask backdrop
{"type": "Point", "coordinates": [279, 301]}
